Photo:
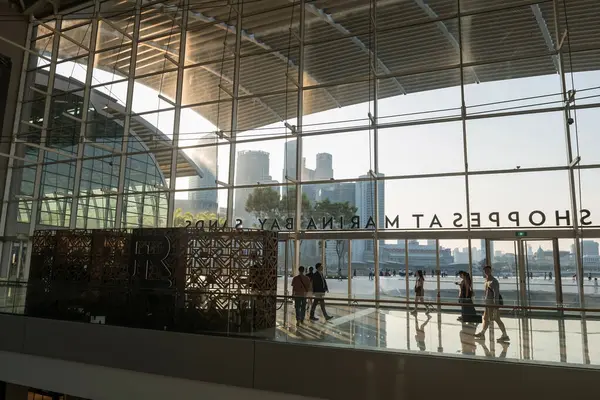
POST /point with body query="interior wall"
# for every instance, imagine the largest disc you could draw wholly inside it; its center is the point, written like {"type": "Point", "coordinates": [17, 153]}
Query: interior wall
{"type": "Point", "coordinates": [13, 26]}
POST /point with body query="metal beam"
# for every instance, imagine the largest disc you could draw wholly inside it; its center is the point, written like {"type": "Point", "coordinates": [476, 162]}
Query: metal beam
{"type": "Point", "coordinates": [127, 123]}
{"type": "Point", "coordinates": [340, 28]}
{"type": "Point", "coordinates": [84, 117]}
{"type": "Point", "coordinates": [445, 31]}
{"type": "Point", "coordinates": [177, 117]}
{"type": "Point", "coordinates": [234, 119]}
{"type": "Point", "coordinates": [541, 21]}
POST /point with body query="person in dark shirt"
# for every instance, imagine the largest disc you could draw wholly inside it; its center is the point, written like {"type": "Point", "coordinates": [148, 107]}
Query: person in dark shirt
{"type": "Point", "coordinates": [319, 288]}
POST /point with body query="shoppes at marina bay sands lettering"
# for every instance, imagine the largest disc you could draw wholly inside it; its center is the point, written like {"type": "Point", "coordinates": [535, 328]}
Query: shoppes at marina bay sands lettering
{"type": "Point", "coordinates": [416, 221]}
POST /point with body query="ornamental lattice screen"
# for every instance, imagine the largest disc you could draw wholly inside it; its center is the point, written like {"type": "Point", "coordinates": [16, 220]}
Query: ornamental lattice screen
{"type": "Point", "coordinates": [190, 280]}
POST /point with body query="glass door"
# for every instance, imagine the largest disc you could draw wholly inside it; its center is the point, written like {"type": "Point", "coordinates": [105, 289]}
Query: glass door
{"type": "Point", "coordinates": [527, 270]}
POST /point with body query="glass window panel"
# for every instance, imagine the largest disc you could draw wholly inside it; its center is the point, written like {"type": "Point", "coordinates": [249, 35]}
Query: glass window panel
{"type": "Point", "coordinates": [520, 200]}
{"type": "Point", "coordinates": [78, 37]}
{"type": "Point", "coordinates": [208, 83]}
{"type": "Point", "coordinates": [583, 20]}
{"type": "Point", "coordinates": [431, 95]}
{"type": "Point", "coordinates": [390, 14]}
{"type": "Point", "coordinates": [144, 210]}
{"type": "Point", "coordinates": [200, 203]}
{"type": "Point", "coordinates": [112, 64]}
{"type": "Point", "coordinates": [115, 32]}
{"type": "Point", "coordinates": [337, 156]}
{"type": "Point", "coordinates": [279, 19]}
{"type": "Point", "coordinates": [154, 130]}
{"type": "Point", "coordinates": [204, 119]}
{"type": "Point", "coordinates": [324, 60]}
{"type": "Point", "coordinates": [155, 92]}
{"type": "Point", "coordinates": [584, 138]}
{"type": "Point", "coordinates": [266, 207]}
{"type": "Point", "coordinates": [265, 115]}
{"type": "Point", "coordinates": [204, 46]}
{"type": "Point", "coordinates": [588, 195]}
{"type": "Point", "coordinates": [421, 149]}
{"type": "Point", "coordinates": [155, 22]}
{"type": "Point", "coordinates": [535, 89]}
{"type": "Point", "coordinates": [147, 172]}
{"type": "Point", "coordinates": [320, 112]}
{"type": "Point", "coordinates": [416, 203]}
{"type": "Point", "coordinates": [520, 141]}
{"type": "Point", "coordinates": [265, 162]}
{"type": "Point", "coordinates": [253, 78]}
{"type": "Point", "coordinates": [394, 47]}
{"type": "Point", "coordinates": [152, 54]}
{"type": "Point", "coordinates": [484, 36]}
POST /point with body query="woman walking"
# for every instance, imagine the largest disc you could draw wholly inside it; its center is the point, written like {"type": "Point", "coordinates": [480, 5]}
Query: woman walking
{"type": "Point", "coordinates": [465, 297]}
{"type": "Point", "coordinates": [420, 292]}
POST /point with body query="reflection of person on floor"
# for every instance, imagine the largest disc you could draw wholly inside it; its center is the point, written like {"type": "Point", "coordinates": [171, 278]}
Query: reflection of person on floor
{"type": "Point", "coordinates": [488, 353]}
{"type": "Point", "coordinates": [300, 287]}
{"type": "Point", "coordinates": [420, 293]}
{"type": "Point", "coordinates": [465, 297]}
{"type": "Point", "coordinates": [309, 295]}
{"type": "Point", "coordinates": [420, 333]}
{"type": "Point", "coordinates": [467, 340]}
{"type": "Point", "coordinates": [492, 297]}
{"type": "Point", "coordinates": [319, 288]}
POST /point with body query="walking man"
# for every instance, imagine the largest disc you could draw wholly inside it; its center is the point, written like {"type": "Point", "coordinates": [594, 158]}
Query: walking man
{"type": "Point", "coordinates": [492, 297]}
{"type": "Point", "coordinates": [300, 287]}
{"type": "Point", "coordinates": [319, 288]}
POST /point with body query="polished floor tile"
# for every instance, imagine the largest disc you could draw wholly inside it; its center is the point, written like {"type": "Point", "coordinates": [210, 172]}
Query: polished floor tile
{"type": "Point", "coordinates": [544, 340]}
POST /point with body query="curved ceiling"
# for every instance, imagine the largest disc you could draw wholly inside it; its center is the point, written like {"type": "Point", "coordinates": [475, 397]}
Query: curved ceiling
{"type": "Point", "coordinates": [417, 49]}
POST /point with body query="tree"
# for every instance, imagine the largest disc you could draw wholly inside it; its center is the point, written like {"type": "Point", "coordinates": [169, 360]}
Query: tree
{"type": "Point", "coordinates": [263, 203]}
{"type": "Point", "coordinates": [287, 206]}
{"type": "Point", "coordinates": [338, 212]}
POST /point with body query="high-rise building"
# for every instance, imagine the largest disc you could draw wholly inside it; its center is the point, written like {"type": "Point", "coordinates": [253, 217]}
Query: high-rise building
{"type": "Point", "coordinates": [588, 248]}
{"type": "Point", "coordinates": [324, 169]}
{"type": "Point", "coordinates": [252, 167]}
{"type": "Point", "coordinates": [339, 193]}
{"type": "Point", "coordinates": [365, 204]}
{"type": "Point", "coordinates": [483, 253]}
{"type": "Point", "coordinates": [206, 158]}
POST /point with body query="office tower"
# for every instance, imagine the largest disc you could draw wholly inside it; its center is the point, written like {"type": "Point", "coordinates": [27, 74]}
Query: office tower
{"type": "Point", "coordinates": [289, 170]}
{"type": "Point", "coordinates": [338, 193]}
{"type": "Point", "coordinates": [589, 248]}
{"type": "Point", "coordinates": [483, 253]}
{"type": "Point", "coordinates": [365, 204]}
{"type": "Point", "coordinates": [324, 169]}
{"type": "Point", "coordinates": [252, 167]}
{"type": "Point", "coordinates": [206, 159]}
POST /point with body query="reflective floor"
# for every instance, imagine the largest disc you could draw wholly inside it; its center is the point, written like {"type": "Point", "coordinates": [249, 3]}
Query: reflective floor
{"type": "Point", "coordinates": [574, 341]}
{"type": "Point", "coordinates": [568, 340]}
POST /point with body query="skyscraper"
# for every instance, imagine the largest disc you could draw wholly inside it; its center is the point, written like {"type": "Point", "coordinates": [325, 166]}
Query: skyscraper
{"type": "Point", "coordinates": [206, 159]}
{"type": "Point", "coordinates": [483, 254]}
{"type": "Point", "coordinates": [365, 204]}
{"type": "Point", "coordinates": [324, 168]}
{"type": "Point", "coordinates": [252, 167]}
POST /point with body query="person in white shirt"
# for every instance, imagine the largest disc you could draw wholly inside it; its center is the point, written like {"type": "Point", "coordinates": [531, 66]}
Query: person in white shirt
{"type": "Point", "coordinates": [492, 297]}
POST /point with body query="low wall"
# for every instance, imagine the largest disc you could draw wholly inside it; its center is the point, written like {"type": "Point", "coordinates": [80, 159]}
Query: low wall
{"type": "Point", "coordinates": [314, 371]}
